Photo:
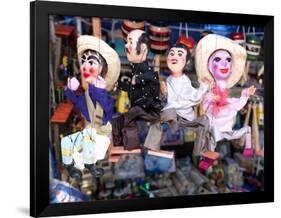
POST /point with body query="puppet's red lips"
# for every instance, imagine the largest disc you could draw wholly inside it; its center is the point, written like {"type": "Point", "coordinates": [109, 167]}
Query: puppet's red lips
{"type": "Point", "coordinates": [86, 75]}
{"type": "Point", "coordinates": [224, 70]}
{"type": "Point", "coordinates": [174, 61]}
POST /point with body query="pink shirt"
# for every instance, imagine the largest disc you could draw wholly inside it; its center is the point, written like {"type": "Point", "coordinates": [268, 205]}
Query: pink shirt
{"type": "Point", "coordinates": [224, 120]}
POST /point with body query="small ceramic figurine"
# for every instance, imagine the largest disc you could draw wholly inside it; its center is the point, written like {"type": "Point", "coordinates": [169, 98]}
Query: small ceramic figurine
{"type": "Point", "coordinates": [181, 98]}
{"type": "Point", "coordinates": [100, 68]}
{"type": "Point", "coordinates": [143, 90]}
{"type": "Point", "coordinates": [223, 61]}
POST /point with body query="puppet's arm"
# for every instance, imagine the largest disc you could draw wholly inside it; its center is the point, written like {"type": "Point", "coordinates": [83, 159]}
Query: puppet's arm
{"type": "Point", "coordinates": [239, 103]}
{"type": "Point", "coordinates": [196, 95]}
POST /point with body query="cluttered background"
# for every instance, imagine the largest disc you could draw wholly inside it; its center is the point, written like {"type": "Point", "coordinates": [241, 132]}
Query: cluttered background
{"type": "Point", "coordinates": [130, 175]}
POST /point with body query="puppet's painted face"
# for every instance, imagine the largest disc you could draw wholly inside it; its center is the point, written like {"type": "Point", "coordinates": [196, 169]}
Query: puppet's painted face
{"type": "Point", "coordinates": [131, 47]}
{"type": "Point", "coordinates": [176, 59]}
{"type": "Point", "coordinates": [220, 64]}
{"type": "Point", "coordinates": [91, 66]}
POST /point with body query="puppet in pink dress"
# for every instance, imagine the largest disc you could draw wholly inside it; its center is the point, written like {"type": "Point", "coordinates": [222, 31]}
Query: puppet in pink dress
{"type": "Point", "coordinates": [224, 62]}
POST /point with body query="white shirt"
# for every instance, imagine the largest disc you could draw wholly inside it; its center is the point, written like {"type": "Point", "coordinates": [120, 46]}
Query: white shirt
{"type": "Point", "coordinates": [182, 96]}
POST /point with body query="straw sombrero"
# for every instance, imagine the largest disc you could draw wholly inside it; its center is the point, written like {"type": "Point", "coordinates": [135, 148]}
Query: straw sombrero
{"type": "Point", "coordinates": [210, 44]}
{"type": "Point", "coordinates": [86, 42]}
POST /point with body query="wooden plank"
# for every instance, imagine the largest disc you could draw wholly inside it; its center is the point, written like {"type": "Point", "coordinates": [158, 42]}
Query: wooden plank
{"type": "Point", "coordinates": [62, 113]}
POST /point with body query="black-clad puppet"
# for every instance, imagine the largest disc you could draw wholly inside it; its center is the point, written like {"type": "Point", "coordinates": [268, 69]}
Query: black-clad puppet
{"type": "Point", "coordinates": [100, 68]}
{"type": "Point", "coordinates": [143, 90]}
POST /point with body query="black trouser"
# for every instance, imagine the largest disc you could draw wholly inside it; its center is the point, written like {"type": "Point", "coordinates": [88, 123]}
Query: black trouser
{"type": "Point", "coordinates": [124, 127]}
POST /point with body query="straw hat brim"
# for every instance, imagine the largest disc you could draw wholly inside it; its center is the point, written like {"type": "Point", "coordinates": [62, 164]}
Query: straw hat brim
{"type": "Point", "coordinates": [111, 57]}
{"type": "Point", "coordinates": [208, 45]}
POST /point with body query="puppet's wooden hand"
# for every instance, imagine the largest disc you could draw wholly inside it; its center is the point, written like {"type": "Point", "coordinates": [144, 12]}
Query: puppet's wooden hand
{"type": "Point", "coordinates": [251, 90]}
{"type": "Point", "coordinates": [99, 82]}
{"type": "Point", "coordinates": [73, 83]}
{"type": "Point", "coordinates": [163, 88]}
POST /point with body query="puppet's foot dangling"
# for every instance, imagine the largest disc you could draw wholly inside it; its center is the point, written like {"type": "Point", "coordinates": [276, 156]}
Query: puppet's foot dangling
{"type": "Point", "coordinates": [73, 171]}
{"type": "Point", "coordinates": [95, 171]}
{"type": "Point", "coordinates": [248, 152]}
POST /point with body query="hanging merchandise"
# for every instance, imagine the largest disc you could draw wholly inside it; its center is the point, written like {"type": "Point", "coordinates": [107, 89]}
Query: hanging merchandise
{"type": "Point", "coordinates": [100, 68]}
{"type": "Point", "coordinates": [129, 166]}
{"type": "Point", "coordinates": [62, 192]}
{"type": "Point", "coordinates": [156, 162]}
{"type": "Point", "coordinates": [208, 158]}
{"type": "Point", "coordinates": [123, 102]}
{"type": "Point", "coordinates": [171, 137]}
{"type": "Point", "coordinates": [239, 37]}
{"type": "Point", "coordinates": [253, 46]}
{"type": "Point", "coordinates": [159, 34]}
{"type": "Point", "coordinates": [255, 132]}
{"type": "Point", "coordinates": [185, 38]}
{"type": "Point", "coordinates": [130, 25]}
{"type": "Point", "coordinates": [260, 113]}
{"type": "Point", "coordinates": [222, 61]}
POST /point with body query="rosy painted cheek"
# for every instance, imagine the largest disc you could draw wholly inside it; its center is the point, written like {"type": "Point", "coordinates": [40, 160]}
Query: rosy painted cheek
{"type": "Point", "coordinates": [92, 70]}
{"type": "Point", "coordinates": [215, 66]}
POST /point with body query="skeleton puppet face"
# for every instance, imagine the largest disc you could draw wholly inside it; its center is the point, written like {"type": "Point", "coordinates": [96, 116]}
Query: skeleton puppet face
{"type": "Point", "coordinates": [219, 64]}
{"type": "Point", "coordinates": [92, 65]}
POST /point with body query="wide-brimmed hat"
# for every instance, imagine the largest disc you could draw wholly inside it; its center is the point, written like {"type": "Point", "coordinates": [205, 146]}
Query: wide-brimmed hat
{"type": "Point", "coordinates": [86, 42]}
{"type": "Point", "coordinates": [211, 43]}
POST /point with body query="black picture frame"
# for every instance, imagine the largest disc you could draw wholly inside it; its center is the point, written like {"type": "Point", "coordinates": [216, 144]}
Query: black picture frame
{"type": "Point", "coordinates": [39, 119]}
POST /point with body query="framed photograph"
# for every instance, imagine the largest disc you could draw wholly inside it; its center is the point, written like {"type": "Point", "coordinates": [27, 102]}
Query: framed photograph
{"type": "Point", "coordinates": [141, 109]}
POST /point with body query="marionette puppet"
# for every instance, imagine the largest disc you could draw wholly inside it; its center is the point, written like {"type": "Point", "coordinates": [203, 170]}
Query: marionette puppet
{"type": "Point", "coordinates": [222, 61]}
{"type": "Point", "coordinates": [143, 91]}
{"type": "Point", "coordinates": [100, 68]}
{"type": "Point", "coordinates": [181, 98]}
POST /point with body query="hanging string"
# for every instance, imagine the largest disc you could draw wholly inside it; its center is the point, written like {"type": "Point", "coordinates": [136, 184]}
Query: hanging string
{"type": "Point", "coordinates": [180, 28]}
{"type": "Point", "coordinates": [244, 32]}
{"type": "Point", "coordinates": [238, 28]}
{"type": "Point", "coordinates": [186, 30]}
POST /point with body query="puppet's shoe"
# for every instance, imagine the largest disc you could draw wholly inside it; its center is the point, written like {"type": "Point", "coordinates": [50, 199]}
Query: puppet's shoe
{"type": "Point", "coordinates": [94, 170]}
{"type": "Point", "coordinates": [73, 171]}
{"type": "Point", "coordinates": [248, 152]}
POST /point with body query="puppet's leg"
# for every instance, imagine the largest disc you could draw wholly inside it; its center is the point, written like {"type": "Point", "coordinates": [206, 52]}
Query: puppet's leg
{"type": "Point", "coordinates": [89, 157]}
{"type": "Point", "coordinates": [248, 150]}
{"type": "Point", "coordinates": [130, 131]}
{"type": "Point", "coordinates": [154, 134]}
{"type": "Point", "coordinates": [67, 146]}
{"type": "Point", "coordinates": [153, 138]}
{"type": "Point", "coordinates": [130, 135]}
{"type": "Point", "coordinates": [203, 136]}
{"type": "Point", "coordinates": [236, 134]}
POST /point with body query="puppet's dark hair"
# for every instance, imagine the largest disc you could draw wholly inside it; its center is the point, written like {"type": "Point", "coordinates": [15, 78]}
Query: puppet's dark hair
{"type": "Point", "coordinates": [188, 56]}
{"type": "Point", "coordinates": [181, 45]}
{"type": "Point", "coordinates": [142, 39]}
{"type": "Point", "coordinates": [102, 61]}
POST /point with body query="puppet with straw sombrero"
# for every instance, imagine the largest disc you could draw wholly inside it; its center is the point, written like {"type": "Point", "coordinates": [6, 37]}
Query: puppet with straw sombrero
{"type": "Point", "coordinates": [222, 61]}
{"type": "Point", "coordinates": [100, 69]}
